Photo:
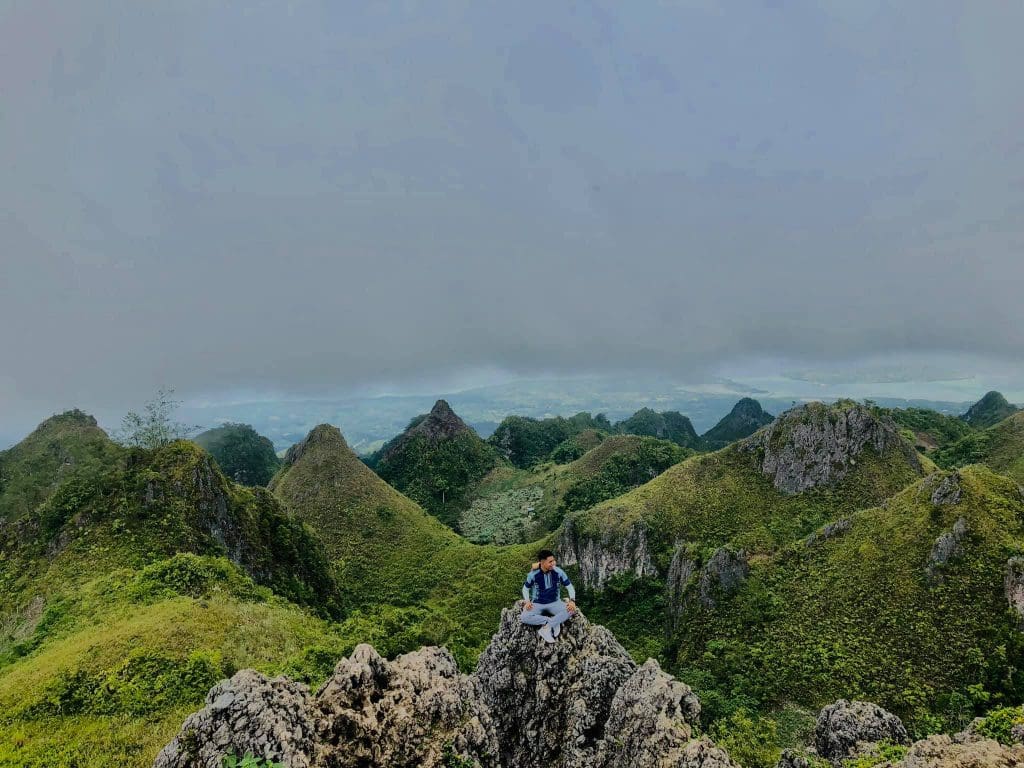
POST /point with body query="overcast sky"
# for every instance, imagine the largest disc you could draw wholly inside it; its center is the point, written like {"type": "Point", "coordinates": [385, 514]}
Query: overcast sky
{"type": "Point", "coordinates": [306, 198]}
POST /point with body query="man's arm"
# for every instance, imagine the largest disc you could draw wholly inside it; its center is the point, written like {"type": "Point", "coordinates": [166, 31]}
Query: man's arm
{"type": "Point", "coordinates": [526, 588]}
{"type": "Point", "coordinates": [564, 578]}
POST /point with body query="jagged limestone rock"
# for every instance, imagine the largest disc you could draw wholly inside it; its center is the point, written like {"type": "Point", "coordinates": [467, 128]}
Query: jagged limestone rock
{"type": "Point", "coordinates": [651, 721]}
{"type": "Point", "coordinates": [721, 575]}
{"type": "Point", "coordinates": [790, 759]}
{"type": "Point", "coordinates": [550, 702]}
{"type": "Point", "coordinates": [581, 702]}
{"type": "Point", "coordinates": [942, 752]}
{"type": "Point", "coordinates": [249, 713]}
{"type": "Point", "coordinates": [947, 547]}
{"type": "Point", "coordinates": [400, 713]}
{"type": "Point", "coordinates": [600, 559]}
{"type": "Point", "coordinates": [1013, 587]}
{"type": "Point", "coordinates": [830, 531]}
{"type": "Point", "coordinates": [813, 445]}
{"type": "Point", "coordinates": [843, 726]}
{"type": "Point", "coordinates": [949, 490]}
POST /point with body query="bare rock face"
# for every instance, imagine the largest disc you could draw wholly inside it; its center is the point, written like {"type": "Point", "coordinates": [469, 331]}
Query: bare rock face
{"type": "Point", "coordinates": [600, 559]}
{"type": "Point", "coordinates": [943, 752]}
{"type": "Point", "coordinates": [650, 723]}
{"type": "Point", "coordinates": [948, 491]}
{"type": "Point", "coordinates": [790, 759]}
{"type": "Point", "coordinates": [719, 577]}
{"type": "Point", "coordinates": [815, 445]}
{"type": "Point", "coordinates": [580, 702]}
{"type": "Point", "coordinates": [1013, 586]}
{"type": "Point", "coordinates": [830, 531]}
{"type": "Point", "coordinates": [678, 581]}
{"type": "Point", "coordinates": [404, 712]}
{"type": "Point", "coordinates": [843, 726]}
{"type": "Point", "coordinates": [550, 702]}
{"type": "Point", "coordinates": [947, 547]}
{"type": "Point", "coordinates": [249, 713]}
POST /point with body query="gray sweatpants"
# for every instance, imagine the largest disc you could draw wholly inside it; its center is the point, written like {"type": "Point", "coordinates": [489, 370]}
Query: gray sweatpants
{"type": "Point", "coordinates": [556, 610]}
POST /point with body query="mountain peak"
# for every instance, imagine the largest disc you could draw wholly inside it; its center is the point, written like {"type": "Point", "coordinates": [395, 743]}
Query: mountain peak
{"type": "Point", "coordinates": [440, 423]}
{"type": "Point", "coordinates": [326, 435]}
{"type": "Point", "coordinates": [815, 444]}
{"type": "Point", "coordinates": [745, 418]}
{"type": "Point", "coordinates": [991, 409]}
{"type": "Point", "coordinates": [609, 712]}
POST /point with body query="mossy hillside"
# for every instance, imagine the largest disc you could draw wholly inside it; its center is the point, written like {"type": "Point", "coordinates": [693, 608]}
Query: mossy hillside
{"type": "Point", "coordinates": [573, 448]}
{"type": "Point", "coordinates": [720, 498]}
{"type": "Point", "coordinates": [989, 410]}
{"type": "Point", "coordinates": [129, 654]}
{"type": "Point", "coordinates": [147, 505]}
{"type": "Point", "coordinates": [380, 540]}
{"type": "Point", "coordinates": [130, 657]}
{"type": "Point", "coordinates": [243, 454]}
{"type": "Point", "coordinates": [1000, 447]}
{"type": "Point", "coordinates": [856, 615]}
{"type": "Point", "coordinates": [61, 447]}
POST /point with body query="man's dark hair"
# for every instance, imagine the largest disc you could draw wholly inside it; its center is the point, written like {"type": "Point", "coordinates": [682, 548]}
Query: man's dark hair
{"type": "Point", "coordinates": [544, 554]}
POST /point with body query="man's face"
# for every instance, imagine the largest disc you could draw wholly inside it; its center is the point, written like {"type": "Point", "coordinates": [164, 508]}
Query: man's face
{"type": "Point", "coordinates": [548, 563]}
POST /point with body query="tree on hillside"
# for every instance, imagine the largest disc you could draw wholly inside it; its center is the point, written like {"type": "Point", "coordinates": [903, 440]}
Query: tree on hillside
{"type": "Point", "coordinates": [154, 427]}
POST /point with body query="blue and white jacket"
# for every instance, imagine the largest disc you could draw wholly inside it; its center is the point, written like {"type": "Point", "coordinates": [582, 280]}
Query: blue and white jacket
{"type": "Point", "coordinates": [542, 588]}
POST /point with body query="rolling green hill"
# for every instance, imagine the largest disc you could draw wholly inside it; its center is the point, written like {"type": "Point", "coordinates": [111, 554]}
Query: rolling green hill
{"type": "Point", "coordinates": [991, 409]}
{"type": "Point", "coordinates": [745, 418]}
{"type": "Point", "coordinates": [903, 604]}
{"type": "Point", "coordinates": [1000, 447]}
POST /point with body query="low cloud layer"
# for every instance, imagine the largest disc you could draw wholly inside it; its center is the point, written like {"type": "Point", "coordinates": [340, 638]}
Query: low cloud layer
{"type": "Point", "coordinates": [317, 197]}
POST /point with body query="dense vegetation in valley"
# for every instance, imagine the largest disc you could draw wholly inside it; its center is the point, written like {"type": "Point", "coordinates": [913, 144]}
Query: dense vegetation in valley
{"type": "Point", "coordinates": [820, 557]}
{"type": "Point", "coordinates": [243, 454]}
{"type": "Point", "coordinates": [928, 429]}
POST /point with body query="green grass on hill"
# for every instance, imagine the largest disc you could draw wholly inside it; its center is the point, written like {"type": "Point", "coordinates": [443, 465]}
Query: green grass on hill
{"type": "Point", "coordinates": [857, 616]}
{"type": "Point", "coordinates": [1000, 447]}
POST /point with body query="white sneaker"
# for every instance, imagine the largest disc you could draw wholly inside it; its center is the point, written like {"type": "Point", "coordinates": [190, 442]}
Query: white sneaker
{"type": "Point", "coordinates": [545, 634]}
{"type": "Point", "coordinates": [557, 630]}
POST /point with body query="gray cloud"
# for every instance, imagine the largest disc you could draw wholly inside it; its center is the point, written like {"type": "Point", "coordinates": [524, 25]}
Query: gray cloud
{"type": "Point", "coordinates": [306, 197]}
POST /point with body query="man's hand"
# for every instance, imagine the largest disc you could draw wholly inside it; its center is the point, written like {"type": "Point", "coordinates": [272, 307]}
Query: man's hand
{"type": "Point", "coordinates": [571, 606]}
{"type": "Point", "coordinates": [528, 605]}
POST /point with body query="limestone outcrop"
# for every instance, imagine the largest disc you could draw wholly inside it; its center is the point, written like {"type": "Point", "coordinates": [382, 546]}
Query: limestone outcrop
{"type": "Point", "coordinates": [601, 558]}
{"type": "Point", "coordinates": [814, 445]}
{"type": "Point", "coordinates": [580, 702]}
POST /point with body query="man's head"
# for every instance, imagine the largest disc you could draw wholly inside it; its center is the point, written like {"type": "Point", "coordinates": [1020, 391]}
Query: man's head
{"type": "Point", "coordinates": [546, 558]}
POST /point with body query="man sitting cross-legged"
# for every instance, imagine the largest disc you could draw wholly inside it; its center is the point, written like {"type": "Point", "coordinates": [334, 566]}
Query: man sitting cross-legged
{"type": "Point", "coordinates": [540, 596]}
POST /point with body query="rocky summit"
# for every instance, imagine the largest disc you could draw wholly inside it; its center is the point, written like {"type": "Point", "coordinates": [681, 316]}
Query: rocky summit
{"type": "Point", "coordinates": [814, 445]}
{"type": "Point", "coordinates": [581, 702]}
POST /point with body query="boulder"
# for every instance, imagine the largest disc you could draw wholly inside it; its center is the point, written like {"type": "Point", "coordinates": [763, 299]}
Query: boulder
{"type": "Point", "coordinates": [844, 726]}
